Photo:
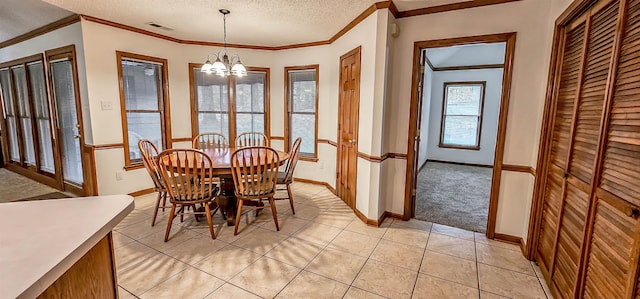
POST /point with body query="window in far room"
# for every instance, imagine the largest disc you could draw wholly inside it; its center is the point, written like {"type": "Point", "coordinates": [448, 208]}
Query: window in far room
{"type": "Point", "coordinates": [462, 115]}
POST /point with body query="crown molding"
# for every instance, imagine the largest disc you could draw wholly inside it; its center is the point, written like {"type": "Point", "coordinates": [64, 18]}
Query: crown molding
{"type": "Point", "coordinates": [41, 30]}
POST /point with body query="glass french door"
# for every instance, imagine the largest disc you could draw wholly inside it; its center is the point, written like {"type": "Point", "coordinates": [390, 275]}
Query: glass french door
{"type": "Point", "coordinates": [68, 120]}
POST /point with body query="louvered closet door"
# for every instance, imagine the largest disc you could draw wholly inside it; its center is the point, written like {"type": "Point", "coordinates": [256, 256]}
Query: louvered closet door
{"type": "Point", "coordinates": [561, 133]}
{"type": "Point", "coordinates": [614, 249]}
{"type": "Point", "coordinates": [601, 25]}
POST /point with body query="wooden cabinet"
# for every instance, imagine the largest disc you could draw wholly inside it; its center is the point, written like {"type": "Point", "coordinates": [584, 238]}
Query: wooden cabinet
{"type": "Point", "coordinates": [589, 234]}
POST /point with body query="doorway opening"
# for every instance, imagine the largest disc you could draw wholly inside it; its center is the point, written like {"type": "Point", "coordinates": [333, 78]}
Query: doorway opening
{"type": "Point", "coordinates": [458, 122]}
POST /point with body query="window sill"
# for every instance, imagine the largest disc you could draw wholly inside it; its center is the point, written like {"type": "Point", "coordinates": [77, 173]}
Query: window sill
{"type": "Point", "coordinates": [133, 167]}
{"type": "Point", "coordinates": [460, 147]}
{"type": "Point", "coordinates": [309, 159]}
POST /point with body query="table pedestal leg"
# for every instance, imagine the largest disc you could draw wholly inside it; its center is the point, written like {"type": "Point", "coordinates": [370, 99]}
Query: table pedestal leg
{"type": "Point", "coordinates": [227, 199]}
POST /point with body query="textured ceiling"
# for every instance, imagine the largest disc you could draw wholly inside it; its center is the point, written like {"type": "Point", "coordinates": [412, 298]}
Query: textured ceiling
{"type": "Point", "coordinates": [467, 55]}
{"type": "Point", "coordinates": [21, 16]}
{"type": "Point", "coordinates": [253, 22]}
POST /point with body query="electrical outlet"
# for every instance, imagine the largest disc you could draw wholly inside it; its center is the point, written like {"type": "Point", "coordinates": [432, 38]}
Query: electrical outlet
{"type": "Point", "coordinates": [106, 105]}
{"type": "Point", "coordinates": [119, 175]}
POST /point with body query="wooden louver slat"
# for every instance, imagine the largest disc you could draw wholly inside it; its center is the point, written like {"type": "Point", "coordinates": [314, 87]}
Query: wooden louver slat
{"type": "Point", "coordinates": [550, 214]}
{"type": "Point", "coordinates": [590, 104]}
{"type": "Point", "coordinates": [613, 245]}
{"type": "Point", "coordinates": [620, 175]}
{"type": "Point", "coordinates": [572, 59]}
{"type": "Point", "coordinates": [570, 241]}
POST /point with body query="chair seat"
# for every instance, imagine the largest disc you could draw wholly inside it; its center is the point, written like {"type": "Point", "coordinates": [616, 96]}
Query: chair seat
{"type": "Point", "coordinates": [282, 178]}
{"type": "Point", "coordinates": [207, 187]}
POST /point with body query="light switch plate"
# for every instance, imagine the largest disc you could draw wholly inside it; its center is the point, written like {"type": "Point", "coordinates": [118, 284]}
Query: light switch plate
{"type": "Point", "coordinates": [106, 105]}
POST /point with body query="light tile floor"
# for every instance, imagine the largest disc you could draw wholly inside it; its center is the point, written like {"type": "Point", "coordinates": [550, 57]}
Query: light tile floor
{"type": "Point", "coordinates": [323, 251]}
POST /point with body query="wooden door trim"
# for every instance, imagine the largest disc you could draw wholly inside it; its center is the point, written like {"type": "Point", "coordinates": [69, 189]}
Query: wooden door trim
{"type": "Point", "coordinates": [510, 39]}
{"type": "Point", "coordinates": [89, 185]}
{"type": "Point", "coordinates": [357, 51]}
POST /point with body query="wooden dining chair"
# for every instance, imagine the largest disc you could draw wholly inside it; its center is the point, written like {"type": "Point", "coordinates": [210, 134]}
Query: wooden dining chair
{"type": "Point", "coordinates": [254, 171]}
{"type": "Point", "coordinates": [149, 159]}
{"type": "Point", "coordinates": [210, 141]}
{"type": "Point", "coordinates": [188, 175]}
{"type": "Point", "coordinates": [286, 177]}
{"type": "Point", "coordinates": [252, 139]}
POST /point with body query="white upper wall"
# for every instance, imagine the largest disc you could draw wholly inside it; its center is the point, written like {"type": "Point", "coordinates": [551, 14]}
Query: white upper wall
{"type": "Point", "coordinates": [467, 55]}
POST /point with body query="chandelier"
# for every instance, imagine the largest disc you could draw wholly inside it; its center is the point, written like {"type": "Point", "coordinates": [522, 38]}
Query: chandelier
{"type": "Point", "coordinates": [225, 66]}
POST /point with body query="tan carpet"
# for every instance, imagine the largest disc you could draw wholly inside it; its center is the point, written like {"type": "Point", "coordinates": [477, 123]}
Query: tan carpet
{"type": "Point", "coordinates": [15, 187]}
{"type": "Point", "coordinates": [454, 195]}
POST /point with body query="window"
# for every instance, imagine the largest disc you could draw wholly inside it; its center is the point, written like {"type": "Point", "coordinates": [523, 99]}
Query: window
{"type": "Point", "coordinates": [301, 100]}
{"type": "Point", "coordinates": [462, 115]}
{"type": "Point", "coordinates": [145, 104]}
{"type": "Point", "coordinates": [228, 105]}
{"type": "Point", "coordinates": [27, 123]}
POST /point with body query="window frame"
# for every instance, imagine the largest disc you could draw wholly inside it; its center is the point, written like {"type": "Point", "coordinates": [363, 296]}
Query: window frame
{"type": "Point", "coordinates": [443, 115]}
{"type": "Point", "coordinates": [163, 105]}
{"type": "Point", "coordinates": [231, 81]}
{"type": "Point", "coordinates": [288, 140]}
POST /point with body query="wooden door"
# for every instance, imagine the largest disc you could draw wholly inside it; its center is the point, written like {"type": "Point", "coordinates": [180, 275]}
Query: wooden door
{"type": "Point", "coordinates": [349, 105]}
{"type": "Point", "coordinates": [74, 163]}
{"type": "Point", "coordinates": [589, 241]}
{"type": "Point", "coordinates": [416, 145]}
{"type": "Point", "coordinates": [613, 246]}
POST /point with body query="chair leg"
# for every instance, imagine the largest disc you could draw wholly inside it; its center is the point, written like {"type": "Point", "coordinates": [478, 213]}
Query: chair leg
{"type": "Point", "coordinates": [238, 214]}
{"type": "Point", "coordinates": [164, 200]}
{"type": "Point", "coordinates": [210, 220]}
{"type": "Point", "coordinates": [170, 222]}
{"type": "Point", "coordinates": [155, 211]}
{"type": "Point", "coordinates": [291, 198]}
{"type": "Point", "coordinates": [272, 203]}
{"type": "Point", "coordinates": [195, 210]}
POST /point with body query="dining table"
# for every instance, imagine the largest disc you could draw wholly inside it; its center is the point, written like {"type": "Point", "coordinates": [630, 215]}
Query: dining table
{"type": "Point", "coordinates": [221, 168]}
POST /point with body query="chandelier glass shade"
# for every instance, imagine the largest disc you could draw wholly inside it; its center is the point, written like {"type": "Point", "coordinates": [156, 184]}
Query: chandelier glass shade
{"type": "Point", "coordinates": [223, 65]}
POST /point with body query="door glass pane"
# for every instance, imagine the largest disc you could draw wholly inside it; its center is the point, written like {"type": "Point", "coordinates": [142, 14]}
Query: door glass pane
{"type": "Point", "coordinates": [65, 99]}
{"type": "Point", "coordinates": [7, 98]}
{"type": "Point", "coordinates": [303, 125]}
{"type": "Point", "coordinates": [141, 85]}
{"type": "Point", "coordinates": [24, 113]}
{"type": "Point", "coordinates": [143, 125]}
{"type": "Point", "coordinates": [41, 113]}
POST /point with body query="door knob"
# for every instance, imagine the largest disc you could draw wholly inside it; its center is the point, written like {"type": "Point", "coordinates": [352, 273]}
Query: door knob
{"type": "Point", "coordinates": [352, 141]}
{"type": "Point", "coordinates": [77, 136]}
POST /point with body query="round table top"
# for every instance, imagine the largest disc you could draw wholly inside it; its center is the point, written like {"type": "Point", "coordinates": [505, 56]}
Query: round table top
{"type": "Point", "coordinates": [221, 159]}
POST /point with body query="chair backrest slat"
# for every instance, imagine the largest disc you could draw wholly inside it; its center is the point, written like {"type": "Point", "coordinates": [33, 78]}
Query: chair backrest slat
{"type": "Point", "coordinates": [149, 159]}
{"type": "Point", "coordinates": [293, 160]}
{"type": "Point", "coordinates": [251, 139]}
{"type": "Point", "coordinates": [254, 171]}
{"type": "Point", "coordinates": [210, 141]}
{"type": "Point", "coordinates": [187, 174]}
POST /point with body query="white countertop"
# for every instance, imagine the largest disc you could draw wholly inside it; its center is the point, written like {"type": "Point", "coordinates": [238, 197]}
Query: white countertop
{"type": "Point", "coordinates": [40, 240]}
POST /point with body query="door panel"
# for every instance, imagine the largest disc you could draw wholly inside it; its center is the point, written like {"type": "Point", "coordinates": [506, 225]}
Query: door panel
{"type": "Point", "coordinates": [569, 75]}
{"type": "Point", "coordinates": [594, 83]}
{"type": "Point", "coordinates": [348, 126]}
{"type": "Point", "coordinates": [570, 240]}
{"type": "Point", "coordinates": [68, 122]}
{"type": "Point", "coordinates": [614, 249]}
{"type": "Point", "coordinates": [550, 215]}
